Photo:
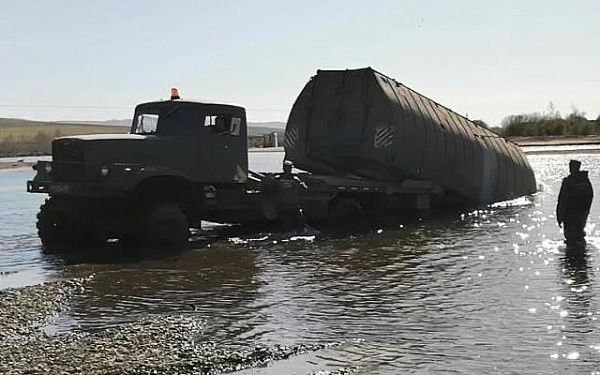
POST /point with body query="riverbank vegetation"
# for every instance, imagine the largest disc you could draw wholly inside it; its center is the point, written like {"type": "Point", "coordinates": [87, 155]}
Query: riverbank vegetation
{"type": "Point", "coordinates": [24, 137]}
{"type": "Point", "coordinates": [549, 123]}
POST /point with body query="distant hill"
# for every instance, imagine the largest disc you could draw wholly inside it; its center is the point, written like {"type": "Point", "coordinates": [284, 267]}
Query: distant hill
{"type": "Point", "coordinates": [19, 137]}
{"type": "Point", "coordinates": [261, 128]}
{"type": "Point", "coordinates": [122, 122]}
{"type": "Point", "coordinates": [23, 128]}
{"type": "Point", "coordinates": [25, 137]}
{"type": "Point", "coordinates": [5, 123]}
{"type": "Point", "coordinates": [269, 124]}
{"type": "Point", "coordinates": [267, 127]}
{"type": "Point", "coordinates": [254, 128]}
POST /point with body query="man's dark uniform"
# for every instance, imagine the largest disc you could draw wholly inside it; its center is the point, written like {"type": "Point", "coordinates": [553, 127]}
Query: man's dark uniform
{"type": "Point", "coordinates": [574, 202]}
{"type": "Point", "coordinates": [288, 198]}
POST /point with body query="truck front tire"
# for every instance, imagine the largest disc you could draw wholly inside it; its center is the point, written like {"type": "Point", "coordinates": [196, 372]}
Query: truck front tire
{"type": "Point", "coordinates": [62, 226]}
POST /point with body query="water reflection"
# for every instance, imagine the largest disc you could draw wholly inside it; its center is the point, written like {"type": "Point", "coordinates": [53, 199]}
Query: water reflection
{"type": "Point", "coordinates": [574, 308]}
{"type": "Point", "coordinates": [575, 264]}
{"type": "Point", "coordinates": [576, 275]}
{"type": "Point", "coordinates": [222, 281]}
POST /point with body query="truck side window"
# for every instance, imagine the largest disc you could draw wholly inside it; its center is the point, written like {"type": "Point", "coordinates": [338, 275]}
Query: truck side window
{"type": "Point", "coordinates": [218, 121]}
{"type": "Point", "coordinates": [210, 120]}
{"type": "Point", "coordinates": [236, 125]}
{"type": "Point", "coordinates": [224, 124]}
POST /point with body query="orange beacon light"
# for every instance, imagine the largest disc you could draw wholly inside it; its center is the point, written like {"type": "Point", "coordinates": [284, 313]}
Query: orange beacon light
{"type": "Point", "coordinates": [175, 93]}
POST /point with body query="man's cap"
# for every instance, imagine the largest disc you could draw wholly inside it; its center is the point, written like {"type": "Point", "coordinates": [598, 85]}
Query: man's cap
{"type": "Point", "coordinates": [287, 163]}
{"type": "Point", "coordinates": [575, 163]}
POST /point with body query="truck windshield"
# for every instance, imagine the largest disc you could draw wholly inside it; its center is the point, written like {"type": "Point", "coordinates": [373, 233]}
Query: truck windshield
{"type": "Point", "coordinates": [145, 123]}
{"type": "Point", "coordinates": [172, 120]}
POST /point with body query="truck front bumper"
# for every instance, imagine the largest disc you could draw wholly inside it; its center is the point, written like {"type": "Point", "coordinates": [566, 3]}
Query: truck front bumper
{"type": "Point", "coordinates": [120, 178]}
{"type": "Point", "coordinates": [76, 189]}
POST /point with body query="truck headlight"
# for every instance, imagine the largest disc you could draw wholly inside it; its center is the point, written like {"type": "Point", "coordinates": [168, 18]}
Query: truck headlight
{"type": "Point", "coordinates": [210, 192]}
{"type": "Point", "coordinates": [104, 170]}
{"type": "Point", "coordinates": [48, 168]}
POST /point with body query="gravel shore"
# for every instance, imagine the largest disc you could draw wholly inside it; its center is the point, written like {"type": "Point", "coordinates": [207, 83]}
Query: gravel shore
{"type": "Point", "coordinates": [24, 311]}
{"type": "Point", "coordinates": [154, 345]}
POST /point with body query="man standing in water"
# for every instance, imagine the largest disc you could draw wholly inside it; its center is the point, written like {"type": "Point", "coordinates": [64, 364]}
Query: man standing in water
{"type": "Point", "coordinates": [288, 198]}
{"type": "Point", "coordinates": [574, 201]}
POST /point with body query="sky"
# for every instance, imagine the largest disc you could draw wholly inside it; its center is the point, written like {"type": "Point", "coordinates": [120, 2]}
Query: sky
{"type": "Point", "coordinates": [94, 60]}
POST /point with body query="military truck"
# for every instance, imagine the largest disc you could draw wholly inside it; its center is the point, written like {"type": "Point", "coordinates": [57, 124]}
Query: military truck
{"type": "Point", "coordinates": [179, 159]}
{"type": "Point", "coordinates": [365, 153]}
{"type": "Point", "coordinates": [181, 163]}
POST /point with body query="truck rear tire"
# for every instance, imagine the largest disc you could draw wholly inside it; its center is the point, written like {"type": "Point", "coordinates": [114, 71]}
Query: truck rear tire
{"type": "Point", "coordinates": [164, 225]}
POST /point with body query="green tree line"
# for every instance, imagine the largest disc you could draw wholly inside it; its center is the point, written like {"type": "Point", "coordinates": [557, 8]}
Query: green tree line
{"type": "Point", "coordinates": [550, 123]}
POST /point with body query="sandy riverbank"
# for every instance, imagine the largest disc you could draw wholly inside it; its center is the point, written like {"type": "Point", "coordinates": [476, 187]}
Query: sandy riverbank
{"type": "Point", "coordinates": [266, 149]}
{"type": "Point", "coordinates": [16, 165]}
{"type": "Point", "coordinates": [562, 140]}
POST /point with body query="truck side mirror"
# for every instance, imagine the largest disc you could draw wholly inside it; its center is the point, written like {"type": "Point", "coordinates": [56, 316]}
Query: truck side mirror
{"type": "Point", "coordinates": [228, 125]}
{"type": "Point", "coordinates": [235, 126]}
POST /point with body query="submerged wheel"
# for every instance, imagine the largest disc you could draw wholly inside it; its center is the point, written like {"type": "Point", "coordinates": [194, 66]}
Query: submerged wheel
{"type": "Point", "coordinates": [63, 225]}
{"type": "Point", "coordinates": [51, 224]}
{"type": "Point", "coordinates": [164, 225]}
{"type": "Point", "coordinates": [57, 224]}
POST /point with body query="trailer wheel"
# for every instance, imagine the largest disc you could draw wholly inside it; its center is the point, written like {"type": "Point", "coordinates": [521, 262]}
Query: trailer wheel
{"type": "Point", "coordinates": [164, 225]}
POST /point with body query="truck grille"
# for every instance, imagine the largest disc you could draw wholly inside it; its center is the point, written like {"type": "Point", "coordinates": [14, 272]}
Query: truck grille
{"type": "Point", "coordinates": [65, 149]}
{"type": "Point", "coordinates": [68, 171]}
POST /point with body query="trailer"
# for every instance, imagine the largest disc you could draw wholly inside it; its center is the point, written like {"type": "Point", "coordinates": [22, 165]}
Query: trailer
{"type": "Point", "coordinates": [367, 124]}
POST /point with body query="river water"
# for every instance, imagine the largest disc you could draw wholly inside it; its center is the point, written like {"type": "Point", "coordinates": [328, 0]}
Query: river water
{"type": "Point", "coordinates": [488, 291]}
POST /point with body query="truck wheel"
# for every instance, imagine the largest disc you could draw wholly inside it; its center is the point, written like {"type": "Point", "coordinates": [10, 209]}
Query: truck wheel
{"type": "Point", "coordinates": [164, 225]}
{"type": "Point", "coordinates": [57, 227]}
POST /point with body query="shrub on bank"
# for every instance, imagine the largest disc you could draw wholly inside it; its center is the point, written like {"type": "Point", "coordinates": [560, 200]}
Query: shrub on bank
{"type": "Point", "coordinates": [552, 124]}
{"type": "Point", "coordinates": [38, 144]}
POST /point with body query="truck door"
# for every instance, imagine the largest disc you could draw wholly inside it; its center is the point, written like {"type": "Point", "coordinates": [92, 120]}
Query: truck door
{"type": "Point", "coordinates": [222, 148]}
